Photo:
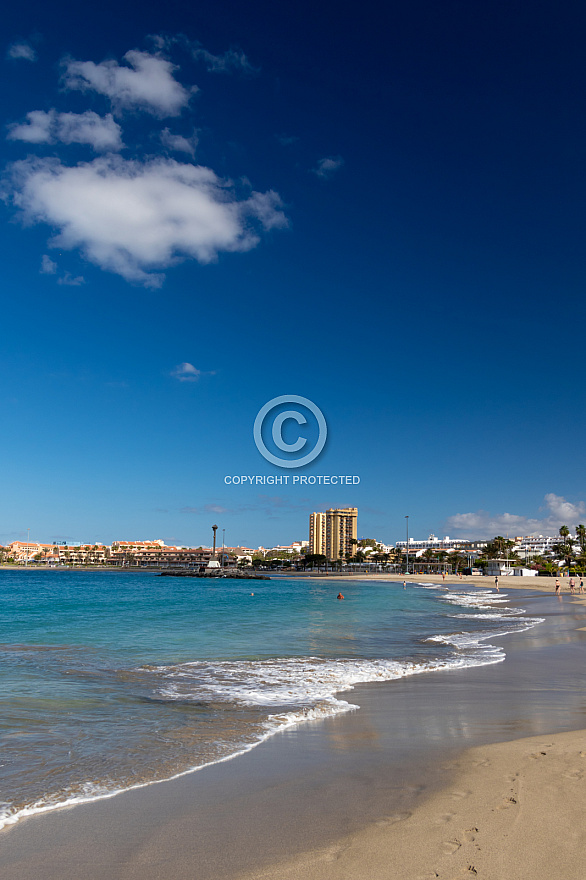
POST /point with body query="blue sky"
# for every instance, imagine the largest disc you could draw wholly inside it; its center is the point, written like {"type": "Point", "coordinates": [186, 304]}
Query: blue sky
{"type": "Point", "coordinates": [381, 210]}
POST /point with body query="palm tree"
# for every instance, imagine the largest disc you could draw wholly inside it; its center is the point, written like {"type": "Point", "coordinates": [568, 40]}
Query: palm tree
{"type": "Point", "coordinates": [581, 536]}
{"type": "Point", "coordinates": [458, 560]}
{"type": "Point", "coordinates": [441, 556]}
{"type": "Point", "coordinates": [497, 548]}
{"type": "Point", "coordinates": [564, 550]}
{"type": "Point", "coordinates": [581, 561]}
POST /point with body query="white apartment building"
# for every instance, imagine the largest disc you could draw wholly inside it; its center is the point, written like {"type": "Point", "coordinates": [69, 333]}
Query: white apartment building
{"type": "Point", "coordinates": [536, 545]}
{"type": "Point", "coordinates": [297, 548]}
{"type": "Point", "coordinates": [433, 543]}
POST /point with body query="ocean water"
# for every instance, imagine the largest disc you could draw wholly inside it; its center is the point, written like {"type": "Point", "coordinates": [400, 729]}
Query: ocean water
{"type": "Point", "coordinates": [111, 680]}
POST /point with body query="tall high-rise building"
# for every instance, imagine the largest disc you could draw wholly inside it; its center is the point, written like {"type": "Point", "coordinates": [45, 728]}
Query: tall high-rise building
{"type": "Point", "coordinates": [333, 533]}
{"type": "Point", "coordinates": [317, 533]}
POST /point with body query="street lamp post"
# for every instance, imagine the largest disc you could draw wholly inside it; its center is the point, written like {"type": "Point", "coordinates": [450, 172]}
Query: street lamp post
{"type": "Point", "coordinates": [407, 519]}
{"type": "Point", "coordinates": [223, 542]}
{"type": "Point", "coordinates": [215, 529]}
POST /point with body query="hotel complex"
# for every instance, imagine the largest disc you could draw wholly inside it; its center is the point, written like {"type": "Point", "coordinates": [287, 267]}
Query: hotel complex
{"type": "Point", "coordinates": [153, 553]}
{"type": "Point", "coordinates": [333, 534]}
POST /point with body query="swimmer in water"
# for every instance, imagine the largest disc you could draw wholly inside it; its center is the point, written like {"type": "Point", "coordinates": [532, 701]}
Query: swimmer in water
{"type": "Point", "coordinates": [340, 596]}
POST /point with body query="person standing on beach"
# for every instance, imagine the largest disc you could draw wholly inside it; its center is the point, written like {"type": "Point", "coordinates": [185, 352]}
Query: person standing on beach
{"type": "Point", "coordinates": [496, 583]}
{"type": "Point", "coordinates": [557, 586]}
{"type": "Point", "coordinates": [572, 585]}
{"type": "Point", "coordinates": [581, 587]}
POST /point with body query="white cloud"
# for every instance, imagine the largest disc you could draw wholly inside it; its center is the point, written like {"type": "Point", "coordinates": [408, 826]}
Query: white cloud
{"type": "Point", "coordinates": [266, 207]}
{"type": "Point", "coordinates": [101, 132]}
{"type": "Point", "coordinates": [48, 127]}
{"type": "Point", "coordinates": [232, 60]}
{"type": "Point", "coordinates": [37, 128]}
{"type": "Point", "coordinates": [48, 266]}
{"type": "Point", "coordinates": [327, 167]}
{"type": "Point", "coordinates": [71, 281]}
{"type": "Point", "coordinates": [178, 143]}
{"type": "Point", "coordinates": [146, 83]}
{"type": "Point", "coordinates": [22, 51]}
{"type": "Point", "coordinates": [485, 525]}
{"type": "Point", "coordinates": [188, 373]}
{"type": "Point", "coordinates": [133, 218]}
{"type": "Point", "coordinates": [215, 508]}
{"type": "Point", "coordinates": [563, 511]}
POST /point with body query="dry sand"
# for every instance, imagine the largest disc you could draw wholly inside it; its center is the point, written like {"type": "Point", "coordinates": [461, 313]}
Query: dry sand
{"type": "Point", "coordinates": [514, 810]}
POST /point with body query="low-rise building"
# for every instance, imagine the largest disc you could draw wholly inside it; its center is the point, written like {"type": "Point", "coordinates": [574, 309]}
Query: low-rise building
{"type": "Point", "coordinates": [433, 543]}
{"type": "Point", "coordinates": [536, 545]}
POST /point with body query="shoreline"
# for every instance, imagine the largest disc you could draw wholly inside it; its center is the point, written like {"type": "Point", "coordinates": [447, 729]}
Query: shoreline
{"type": "Point", "coordinates": [538, 583]}
{"type": "Point", "coordinates": [83, 795]}
{"type": "Point", "coordinates": [282, 775]}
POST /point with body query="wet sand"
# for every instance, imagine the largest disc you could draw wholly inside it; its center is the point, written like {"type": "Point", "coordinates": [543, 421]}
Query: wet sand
{"type": "Point", "coordinates": [345, 795]}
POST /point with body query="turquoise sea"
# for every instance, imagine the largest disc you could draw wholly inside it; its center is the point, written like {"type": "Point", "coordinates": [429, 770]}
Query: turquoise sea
{"type": "Point", "coordinates": [110, 680]}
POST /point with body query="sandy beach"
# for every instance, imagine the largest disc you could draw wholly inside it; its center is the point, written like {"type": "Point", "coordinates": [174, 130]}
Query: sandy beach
{"type": "Point", "coordinates": [472, 772]}
{"type": "Point", "coordinates": [512, 810]}
{"type": "Point", "coordinates": [509, 582]}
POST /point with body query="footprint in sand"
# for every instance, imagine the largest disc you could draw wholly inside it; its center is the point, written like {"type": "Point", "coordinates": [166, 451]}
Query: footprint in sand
{"type": "Point", "coordinates": [573, 774]}
{"type": "Point", "coordinates": [458, 795]}
{"type": "Point", "coordinates": [449, 847]}
{"type": "Point", "coordinates": [334, 853]}
{"type": "Point", "coordinates": [508, 802]}
{"type": "Point", "coordinates": [444, 818]}
{"type": "Point", "coordinates": [537, 755]}
{"type": "Point", "coordinates": [470, 834]}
